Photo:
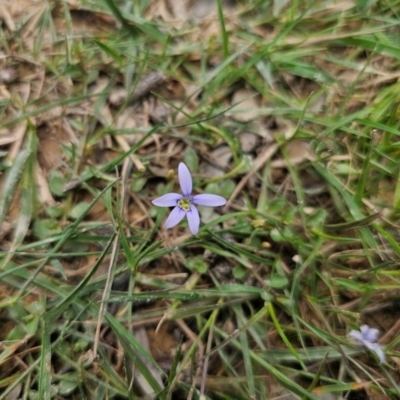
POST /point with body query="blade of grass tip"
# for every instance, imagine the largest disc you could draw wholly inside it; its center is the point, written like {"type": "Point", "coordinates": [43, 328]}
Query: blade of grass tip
{"type": "Point", "coordinates": [245, 349]}
{"type": "Point", "coordinates": [353, 224]}
{"type": "Point", "coordinates": [11, 182]}
{"type": "Point", "coordinates": [344, 121]}
{"type": "Point", "coordinates": [106, 292]}
{"type": "Point", "coordinates": [378, 125]}
{"type": "Point", "coordinates": [396, 197]}
{"type": "Point", "coordinates": [239, 250]}
{"type": "Point", "coordinates": [136, 352]}
{"type": "Point", "coordinates": [369, 43]}
{"type": "Point", "coordinates": [262, 391]}
{"type": "Point", "coordinates": [313, 354]}
{"type": "Point", "coordinates": [100, 393]}
{"type": "Point", "coordinates": [360, 189]}
{"type": "Point", "coordinates": [125, 246]}
{"type": "Point", "coordinates": [223, 218]}
{"type": "Point", "coordinates": [145, 249]}
{"type": "Point", "coordinates": [296, 285]}
{"type": "Point", "coordinates": [131, 88]}
{"type": "Point", "coordinates": [140, 255]}
{"type": "Point", "coordinates": [27, 198]}
{"type": "Point", "coordinates": [389, 377]}
{"type": "Point", "coordinates": [134, 24]}
{"type": "Point", "coordinates": [44, 378]}
{"type": "Point", "coordinates": [263, 197]}
{"type": "Point", "coordinates": [118, 15]}
{"type": "Point", "coordinates": [111, 52]}
{"type": "Point", "coordinates": [278, 327]}
{"type": "Point", "coordinates": [174, 367]}
{"type": "Point", "coordinates": [113, 379]}
{"type": "Point", "coordinates": [205, 364]}
{"type": "Point", "coordinates": [44, 26]}
{"type": "Point", "coordinates": [150, 256]}
{"type": "Point", "coordinates": [393, 241]}
{"type": "Point", "coordinates": [350, 90]}
{"type": "Point", "coordinates": [298, 187]}
{"type": "Point", "coordinates": [23, 221]}
{"type": "Point", "coordinates": [224, 34]}
{"type": "Point", "coordinates": [180, 109]}
{"type": "Point", "coordinates": [317, 375]}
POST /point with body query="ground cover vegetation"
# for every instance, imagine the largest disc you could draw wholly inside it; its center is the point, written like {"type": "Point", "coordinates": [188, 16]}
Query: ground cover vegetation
{"type": "Point", "coordinates": [288, 110]}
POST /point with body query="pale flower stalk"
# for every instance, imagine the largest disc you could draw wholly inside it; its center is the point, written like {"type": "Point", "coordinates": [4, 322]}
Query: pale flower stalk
{"type": "Point", "coordinates": [368, 337]}
{"type": "Point", "coordinates": [184, 204]}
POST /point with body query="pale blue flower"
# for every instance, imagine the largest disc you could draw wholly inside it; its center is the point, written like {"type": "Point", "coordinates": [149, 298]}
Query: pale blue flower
{"type": "Point", "coordinates": [185, 203]}
{"type": "Point", "coordinates": [368, 337]}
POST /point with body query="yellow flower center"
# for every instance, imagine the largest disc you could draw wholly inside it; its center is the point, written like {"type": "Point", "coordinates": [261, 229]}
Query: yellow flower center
{"type": "Point", "coordinates": [184, 203]}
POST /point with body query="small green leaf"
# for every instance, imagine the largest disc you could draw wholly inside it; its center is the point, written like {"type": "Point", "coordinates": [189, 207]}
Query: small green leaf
{"type": "Point", "coordinates": [57, 182]}
{"type": "Point", "coordinates": [276, 206]}
{"type": "Point", "coordinates": [266, 295]}
{"type": "Point", "coordinates": [31, 324]}
{"type": "Point", "coordinates": [277, 236]}
{"type": "Point", "coordinates": [288, 215]}
{"type": "Point", "coordinates": [345, 169]}
{"type": "Point", "coordinates": [33, 395]}
{"type": "Point", "coordinates": [196, 264]}
{"type": "Point", "coordinates": [318, 219]}
{"type": "Point", "coordinates": [46, 228]}
{"type": "Point", "coordinates": [35, 307]}
{"type": "Point", "coordinates": [78, 210]}
{"type": "Point", "coordinates": [278, 281]}
{"type": "Point", "coordinates": [68, 384]}
{"type": "Point", "coordinates": [81, 344]}
{"type": "Point", "coordinates": [17, 311]}
{"type": "Point", "coordinates": [55, 211]}
{"type": "Point", "coordinates": [138, 184]}
{"type": "Point", "coordinates": [227, 188]}
{"type": "Point", "coordinates": [191, 159]}
{"type": "Point", "coordinates": [16, 333]}
{"type": "Point", "coordinates": [239, 272]}
{"type": "Point", "coordinates": [58, 266]}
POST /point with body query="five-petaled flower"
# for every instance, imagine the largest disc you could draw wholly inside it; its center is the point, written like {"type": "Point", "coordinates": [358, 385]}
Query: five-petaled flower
{"type": "Point", "coordinates": [185, 203]}
{"type": "Point", "coordinates": [368, 337]}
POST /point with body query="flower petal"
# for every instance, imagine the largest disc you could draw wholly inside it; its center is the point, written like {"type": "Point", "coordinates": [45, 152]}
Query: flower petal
{"type": "Point", "coordinates": [167, 200]}
{"type": "Point", "coordinates": [193, 219]}
{"type": "Point", "coordinates": [379, 352]}
{"type": "Point", "coordinates": [175, 217]}
{"type": "Point", "coordinates": [376, 348]}
{"type": "Point", "coordinates": [371, 334]}
{"type": "Point", "coordinates": [356, 335]}
{"type": "Point", "coordinates": [185, 179]}
{"type": "Point", "coordinates": [210, 200]}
